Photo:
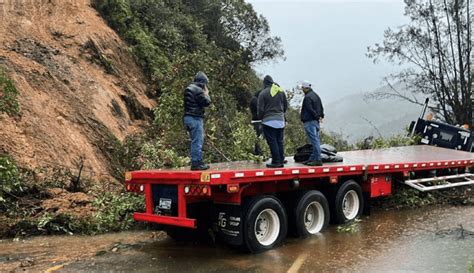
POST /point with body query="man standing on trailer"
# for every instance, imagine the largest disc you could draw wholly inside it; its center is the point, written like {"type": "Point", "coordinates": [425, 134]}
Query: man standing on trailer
{"type": "Point", "coordinates": [257, 124]}
{"type": "Point", "coordinates": [271, 107]}
{"type": "Point", "coordinates": [311, 113]}
{"type": "Point", "coordinates": [196, 98]}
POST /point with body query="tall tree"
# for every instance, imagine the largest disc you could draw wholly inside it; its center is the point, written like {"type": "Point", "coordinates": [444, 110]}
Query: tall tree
{"type": "Point", "coordinates": [435, 49]}
{"type": "Point", "coordinates": [235, 25]}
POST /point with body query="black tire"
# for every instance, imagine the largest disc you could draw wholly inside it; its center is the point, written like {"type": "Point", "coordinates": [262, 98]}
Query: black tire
{"type": "Point", "coordinates": [352, 192]}
{"type": "Point", "coordinates": [266, 210]}
{"type": "Point", "coordinates": [315, 202]}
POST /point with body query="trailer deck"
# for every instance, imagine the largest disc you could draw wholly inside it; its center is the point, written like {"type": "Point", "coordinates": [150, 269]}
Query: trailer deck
{"type": "Point", "coordinates": [407, 158]}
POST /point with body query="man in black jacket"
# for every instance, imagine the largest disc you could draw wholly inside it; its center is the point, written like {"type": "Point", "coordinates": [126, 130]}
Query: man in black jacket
{"type": "Point", "coordinates": [311, 113]}
{"type": "Point", "coordinates": [257, 124]}
{"type": "Point", "coordinates": [196, 98]}
{"type": "Point", "coordinates": [271, 107]}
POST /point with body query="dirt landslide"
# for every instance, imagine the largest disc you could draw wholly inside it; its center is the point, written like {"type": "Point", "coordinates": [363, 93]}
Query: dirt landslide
{"type": "Point", "coordinates": [79, 88]}
{"type": "Point", "coordinates": [61, 201]}
{"type": "Point", "coordinates": [49, 211]}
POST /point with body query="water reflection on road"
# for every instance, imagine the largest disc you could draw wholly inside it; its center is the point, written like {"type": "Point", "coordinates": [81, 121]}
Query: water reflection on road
{"type": "Point", "coordinates": [426, 240]}
{"type": "Point", "coordinates": [411, 240]}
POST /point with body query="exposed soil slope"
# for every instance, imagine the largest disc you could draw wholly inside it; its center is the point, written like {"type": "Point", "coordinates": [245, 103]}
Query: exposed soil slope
{"type": "Point", "coordinates": [79, 86]}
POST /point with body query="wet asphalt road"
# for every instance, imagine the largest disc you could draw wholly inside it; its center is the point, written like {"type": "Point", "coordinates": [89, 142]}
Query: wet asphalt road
{"type": "Point", "coordinates": [421, 240]}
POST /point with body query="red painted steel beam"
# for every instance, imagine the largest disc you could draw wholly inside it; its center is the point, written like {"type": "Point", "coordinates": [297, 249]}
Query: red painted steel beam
{"type": "Point", "coordinates": [165, 220]}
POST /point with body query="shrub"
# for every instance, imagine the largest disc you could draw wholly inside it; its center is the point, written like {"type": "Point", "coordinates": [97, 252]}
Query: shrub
{"type": "Point", "coordinates": [10, 183]}
{"type": "Point", "coordinates": [61, 223]}
{"type": "Point", "coordinates": [394, 141]}
{"type": "Point", "coordinates": [404, 196]}
{"type": "Point", "coordinates": [115, 211]}
{"type": "Point", "coordinates": [154, 155]}
{"type": "Point", "coordinates": [8, 95]}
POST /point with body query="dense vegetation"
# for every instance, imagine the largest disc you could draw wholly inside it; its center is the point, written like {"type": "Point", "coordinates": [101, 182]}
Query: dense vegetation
{"type": "Point", "coordinates": [171, 41]}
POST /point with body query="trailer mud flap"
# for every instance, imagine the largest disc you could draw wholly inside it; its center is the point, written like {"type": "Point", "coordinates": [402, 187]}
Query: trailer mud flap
{"type": "Point", "coordinates": [229, 224]}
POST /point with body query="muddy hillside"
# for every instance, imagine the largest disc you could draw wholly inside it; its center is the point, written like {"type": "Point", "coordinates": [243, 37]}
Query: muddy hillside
{"type": "Point", "coordinates": [80, 90]}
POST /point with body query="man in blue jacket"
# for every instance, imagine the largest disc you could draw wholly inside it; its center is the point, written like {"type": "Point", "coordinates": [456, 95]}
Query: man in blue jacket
{"type": "Point", "coordinates": [271, 107]}
{"type": "Point", "coordinates": [312, 112]}
{"type": "Point", "coordinates": [196, 98]}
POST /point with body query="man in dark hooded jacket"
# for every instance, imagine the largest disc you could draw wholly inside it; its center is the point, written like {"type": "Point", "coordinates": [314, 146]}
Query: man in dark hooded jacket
{"type": "Point", "coordinates": [312, 112]}
{"type": "Point", "coordinates": [196, 98]}
{"type": "Point", "coordinates": [257, 124]}
{"type": "Point", "coordinates": [271, 108]}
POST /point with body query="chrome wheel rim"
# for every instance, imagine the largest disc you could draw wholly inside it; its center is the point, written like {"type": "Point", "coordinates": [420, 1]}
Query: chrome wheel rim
{"type": "Point", "coordinates": [267, 227]}
{"type": "Point", "coordinates": [350, 205]}
{"type": "Point", "coordinates": [314, 217]}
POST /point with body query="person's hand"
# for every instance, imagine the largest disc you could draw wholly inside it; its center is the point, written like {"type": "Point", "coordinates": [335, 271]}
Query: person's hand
{"type": "Point", "coordinates": [321, 120]}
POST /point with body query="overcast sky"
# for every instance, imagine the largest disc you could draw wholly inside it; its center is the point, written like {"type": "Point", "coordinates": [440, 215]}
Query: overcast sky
{"type": "Point", "coordinates": [325, 42]}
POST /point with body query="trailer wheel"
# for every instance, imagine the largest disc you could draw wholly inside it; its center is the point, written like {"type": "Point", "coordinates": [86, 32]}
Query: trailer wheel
{"type": "Point", "coordinates": [348, 203]}
{"type": "Point", "coordinates": [311, 213]}
{"type": "Point", "coordinates": [265, 224]}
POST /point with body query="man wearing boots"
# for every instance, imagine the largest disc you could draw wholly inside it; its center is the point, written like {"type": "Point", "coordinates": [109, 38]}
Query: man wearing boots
{"type": "Point", "coordinates": [196, 98]}
{"type": "Point", "coordinates": [271, 107]}
{"type": "Point", "coordinates": [311, 113]}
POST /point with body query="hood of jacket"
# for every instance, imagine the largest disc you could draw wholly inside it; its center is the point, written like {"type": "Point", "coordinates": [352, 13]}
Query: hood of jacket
{"type": "Point", "coordinates": [201, 78]}
{"type": "Point", "coordinates": [267, 81]}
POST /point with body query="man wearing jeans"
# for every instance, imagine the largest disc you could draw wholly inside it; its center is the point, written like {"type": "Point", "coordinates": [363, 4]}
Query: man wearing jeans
{"type": "Point", "coordinates": [271, 108]}
{"type": "Point", "coordinates": [311, 113]}
{"type": "Point", "coordinates": [196, 98]}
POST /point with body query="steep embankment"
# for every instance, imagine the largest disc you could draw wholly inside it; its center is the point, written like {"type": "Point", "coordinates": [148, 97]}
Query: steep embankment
{"type": "Point", "coordinates": [79, 88]}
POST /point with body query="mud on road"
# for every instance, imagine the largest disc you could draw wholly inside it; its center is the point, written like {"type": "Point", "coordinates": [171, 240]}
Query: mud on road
{"type": "Point", "coordinates": [435, 239]}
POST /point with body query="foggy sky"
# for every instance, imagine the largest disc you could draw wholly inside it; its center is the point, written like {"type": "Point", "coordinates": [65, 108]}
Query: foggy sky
{"type": "Point", "coordinates": [325, 42]}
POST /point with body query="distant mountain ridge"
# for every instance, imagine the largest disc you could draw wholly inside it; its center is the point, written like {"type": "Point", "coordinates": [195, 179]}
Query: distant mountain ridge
{"type": "Point", "coordinates": [357, 117]}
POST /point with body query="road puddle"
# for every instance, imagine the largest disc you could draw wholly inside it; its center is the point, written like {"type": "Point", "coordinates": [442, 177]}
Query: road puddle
{"type": "Point", "coordinates": [428, 240]}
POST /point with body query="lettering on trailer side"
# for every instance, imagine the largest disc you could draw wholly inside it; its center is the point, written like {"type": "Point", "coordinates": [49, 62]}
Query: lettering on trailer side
{"type": "Point", "coordinates": [222, 221]}
{"type": "Point", "coordinates": [233, 222]}
{"type": "Point", "coordinates": [229, 223]}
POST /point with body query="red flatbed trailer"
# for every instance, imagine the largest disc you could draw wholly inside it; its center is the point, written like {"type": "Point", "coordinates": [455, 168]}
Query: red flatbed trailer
{"type": "Point", "coordinates": [251, 205]}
